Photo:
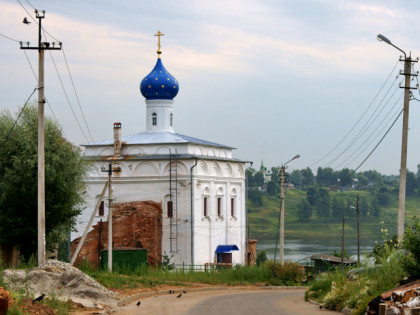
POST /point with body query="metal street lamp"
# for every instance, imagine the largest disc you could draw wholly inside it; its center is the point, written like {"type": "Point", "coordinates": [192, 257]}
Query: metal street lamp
{"type": "Point", "coordinates": [403, 169]}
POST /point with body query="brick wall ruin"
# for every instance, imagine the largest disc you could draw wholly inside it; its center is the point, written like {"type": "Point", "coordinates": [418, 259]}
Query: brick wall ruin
{"type": "Point", "coordinates": [134, 224]}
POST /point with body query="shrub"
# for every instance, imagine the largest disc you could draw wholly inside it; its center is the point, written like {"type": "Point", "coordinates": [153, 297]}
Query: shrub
{"type": "Point", "coordinates": [411, 242]}
{"type": "Point", "coordinates": [288, 273]}
{"type": "Point", "coordinates": [261, 257]}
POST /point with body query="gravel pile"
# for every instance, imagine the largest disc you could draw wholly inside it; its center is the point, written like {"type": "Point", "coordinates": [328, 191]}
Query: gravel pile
{"type": "Point", "coordinates": [62, 280]}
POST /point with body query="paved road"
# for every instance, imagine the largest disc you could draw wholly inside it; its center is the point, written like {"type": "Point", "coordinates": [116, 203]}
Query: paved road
{"type": "Point", "coordinates": [231, 302]}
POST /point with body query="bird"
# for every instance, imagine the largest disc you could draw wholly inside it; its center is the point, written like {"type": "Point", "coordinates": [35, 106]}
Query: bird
{"type": "Point", "coordinates": [39, 298]}
{"type": "Point", "coordinates": [179, 295]}
{"type": "Point", "coordinates": [184, 291]}
{"type": "Point", "coordinates": [138, 303]}
{"type": "Point", "coordinates": [25, 21]}
{"type": "Point", "coordinates": [171, 291]}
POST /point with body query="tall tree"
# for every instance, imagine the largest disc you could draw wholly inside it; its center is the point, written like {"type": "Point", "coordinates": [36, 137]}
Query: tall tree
{"type": "Point", "coordinates": [374, 209]}
{"type": "Point", "coordinates": [308, 178]}
{"type": "Point", "coordinates": [410, 183]}
{"type": "Point", "coordinates": [296, 178]}
{"type": "Point", "coordinates": [363, 207]}
{"type": "Point", "coordinates": [326, 177]}
{"type": "Point", "coordinates": [304, 211]}
{"type": "Point", "coordinates": [64, 175]}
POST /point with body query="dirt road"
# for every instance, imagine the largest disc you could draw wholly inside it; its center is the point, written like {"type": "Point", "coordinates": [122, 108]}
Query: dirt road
{"type": "Point", "coordinates": [230, 301]}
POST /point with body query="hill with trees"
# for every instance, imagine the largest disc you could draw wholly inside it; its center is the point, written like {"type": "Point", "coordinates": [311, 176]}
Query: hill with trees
{"type": "Point", "coordinates": [316, 203]}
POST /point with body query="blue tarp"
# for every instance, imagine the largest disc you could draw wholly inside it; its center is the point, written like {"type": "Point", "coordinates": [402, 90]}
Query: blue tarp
{"type": "Point", "coordinates": [226, 248]}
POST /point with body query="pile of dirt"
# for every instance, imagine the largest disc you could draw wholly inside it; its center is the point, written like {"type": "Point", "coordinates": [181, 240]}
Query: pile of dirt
{"type": "Point", "coordinates": [27, 307]}
{"type": "Point", "coordinates": [60, 279]}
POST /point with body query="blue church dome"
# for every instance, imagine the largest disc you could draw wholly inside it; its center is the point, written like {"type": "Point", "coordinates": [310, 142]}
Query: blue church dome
{"type": "Point", "coordinates": [159, 84]}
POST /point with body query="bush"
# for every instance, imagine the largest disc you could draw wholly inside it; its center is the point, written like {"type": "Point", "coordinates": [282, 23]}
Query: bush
{"type": "Point", "coordinates": [261, 257]}
{"type": "Point", "coordinates": [288, 273]}
{"type": "Point", "coordinates": [411, 242]}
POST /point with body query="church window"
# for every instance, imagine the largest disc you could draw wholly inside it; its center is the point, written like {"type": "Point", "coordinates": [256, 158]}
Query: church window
{"type": "Point", "coordinates": [219, 206]}
{"type": "Point", "coordinates": [154, 119]}
{"type": "Point", "coordinates": [205, 207]}
{"type": "Point", "coordinates": [171, 119]}
{"type": "Point", "coordinates": [101, 208]}
{"type": "Point", "coordinates": [232, 207]}
{"type": "Point", "coordinates": [170, 209]}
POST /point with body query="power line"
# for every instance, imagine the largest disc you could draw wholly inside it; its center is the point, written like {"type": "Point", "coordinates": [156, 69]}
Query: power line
{"type": "Point", "coordinates": [374, 132]}
{"type": "Point", "coordinates": [77, 97]}
{"type": "Point", "coordinates": [365, 127]}
{"type": "Point", "coordinates": [36, 22]}
{"type": "Point", "coordinates": [377, 144]}
{"type": "Point", "coordinates": [23, 108]}
{"type": "Point", "coordinates": [354, 126]}
{"type": "Point", "coordinates": [10, 38]}
{"type": "Point", "coordinates": [48, 103]}
{"type": "Point", "coordinates": [67, 98]}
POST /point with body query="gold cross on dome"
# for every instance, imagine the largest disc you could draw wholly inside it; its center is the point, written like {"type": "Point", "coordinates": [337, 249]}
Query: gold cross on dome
{"type": "Point", "coordinates": [159, 34]}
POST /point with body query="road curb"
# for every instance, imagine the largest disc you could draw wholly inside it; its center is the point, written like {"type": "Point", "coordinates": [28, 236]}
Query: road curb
{"type": "Point", "coordinates": [130, 299]}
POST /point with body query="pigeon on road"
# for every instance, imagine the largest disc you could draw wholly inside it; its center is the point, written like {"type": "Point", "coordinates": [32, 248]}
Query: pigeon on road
{"type": "Point", "coordinates": [138, 304]}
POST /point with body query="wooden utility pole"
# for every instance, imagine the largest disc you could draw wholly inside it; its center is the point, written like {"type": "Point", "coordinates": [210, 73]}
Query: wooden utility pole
{"type": "Point", "coordinates": [358, 232]}
{"type": "Point", "coordinates": [282, 174]}
{"type": "Point", "coordinates": [342, 245]}
{"type": "Point", "coordinates": [41, 151]}
{"type": "Point", "coordinates": [403, 168]}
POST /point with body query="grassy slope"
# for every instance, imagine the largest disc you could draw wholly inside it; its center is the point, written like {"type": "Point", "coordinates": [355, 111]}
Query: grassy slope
{"type": "Point", "coordinates": [263, 220]}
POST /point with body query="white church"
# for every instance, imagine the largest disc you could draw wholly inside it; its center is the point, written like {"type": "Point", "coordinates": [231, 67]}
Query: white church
{"type": "Point", "coordinates": [199, 185]}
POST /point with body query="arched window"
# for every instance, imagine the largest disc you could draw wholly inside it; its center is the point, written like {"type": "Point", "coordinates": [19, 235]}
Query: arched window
{"type": "Point", "coordinates": [171, 119]}
{"type": "Point", "coordinates": [154, 119]}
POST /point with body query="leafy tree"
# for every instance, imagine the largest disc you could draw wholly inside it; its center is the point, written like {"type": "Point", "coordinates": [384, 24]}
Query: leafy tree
{"type": "Point", "coordinates": [312, 194]}
{"type": "Point", "coordinates": [345, 178]}
{"type": "Point", "coordinates": [363, 207]}
{"type": "Point", "coordinates": [64, 175]}
{"type": "Point", "coordinates": [326, 177]}
{"type": "Point", "coordinates": [304, 211]}
{"type": "Point", "coordinates": [256, 197]}
{"type": "Point", "coordinates": [337, 208]}
{"type": "Point", "coordinates": [272, 188]}
{"type": "Point", "coordinates": [275, 177]}
{"type": "Point", "coordinates": [418, 179]}
{"type": "Point", "coordinates": [322, 204]}
{"type": "Point", "coordinates": [296, 178]}
{"type": "Point", "coordinates": [374, 209]}
{"type": "Point", "coordinates": [249, 173]}
{"type": "Point", "coordinates": [261, 257]}
{"type": "Point", "coordinates": [411, 242]}
{"type": "Point", "coordinates": [258, 179]}
{"type": "Point", "coordinates": [308, 178]}
{"type": "Point", "coordinates": [410, 183]}
{"type": "Point", "coordinates": [383, 196]}
{"type": "Point", "coordinates": [363, 180]}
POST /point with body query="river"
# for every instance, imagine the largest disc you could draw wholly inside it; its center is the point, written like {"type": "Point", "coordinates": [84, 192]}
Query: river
{"type": "Point", "coordinates": [298, 249]}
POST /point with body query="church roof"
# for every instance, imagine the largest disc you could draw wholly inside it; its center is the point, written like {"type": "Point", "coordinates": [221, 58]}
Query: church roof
{"type": "Point", "coordinates": [160, 137]}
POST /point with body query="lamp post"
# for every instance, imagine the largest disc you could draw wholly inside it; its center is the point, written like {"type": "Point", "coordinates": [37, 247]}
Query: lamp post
{"type": "Point", "coordinates": [282, 174]}
{"type": "Point", "coordinates": [403, 168]}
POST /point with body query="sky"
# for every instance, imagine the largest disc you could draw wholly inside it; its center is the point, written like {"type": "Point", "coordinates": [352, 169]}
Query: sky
{"type": "Point", "coordinates": [271, 78]}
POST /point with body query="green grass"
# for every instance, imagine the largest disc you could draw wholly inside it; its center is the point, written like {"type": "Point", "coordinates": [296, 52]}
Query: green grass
{"type": "Point", "coordinates": [151, 277]}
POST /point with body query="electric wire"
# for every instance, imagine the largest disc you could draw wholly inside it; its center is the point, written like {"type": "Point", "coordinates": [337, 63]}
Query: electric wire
{"type": "Point", "coordinates": [23, 108]}
{"type": "Point", "coordinates": [10, 38]}
{"type": "Point", "coordinates": [373, 134]}
{"type": "Point", "coordinates": [67, 98]}
{"type": "Point", "coordinates": [77, 96]}
{"type": "Point", "coordinates": [46, 99]}
{"type": "Point", "coordinates": [365, 127]}
{"type": "Point", "coordinates": [357, 122]}
{"type": "Point", "coordinates": [36, 22]}
{"type": "Point", "coordinates": [373, 150]}
{"type": "Point", "coordinates": [30, 4]}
